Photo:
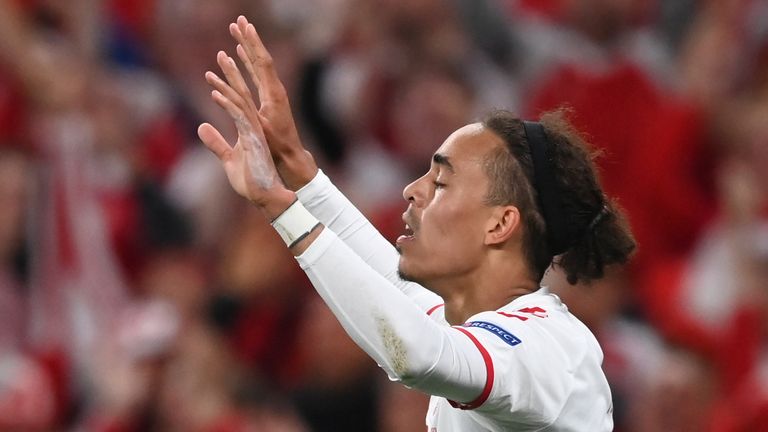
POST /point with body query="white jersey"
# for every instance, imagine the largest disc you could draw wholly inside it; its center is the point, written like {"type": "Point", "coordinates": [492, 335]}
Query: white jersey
{"type": "Point", "coordinates": [528, 366]}
{"type": "Point", "coordinates": [544, 370]}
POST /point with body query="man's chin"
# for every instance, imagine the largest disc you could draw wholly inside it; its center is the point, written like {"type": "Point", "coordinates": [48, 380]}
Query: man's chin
{"type": "Point", "coordinates": [403, 273]}
{"type": "Point", "coordinates": [405, 276]}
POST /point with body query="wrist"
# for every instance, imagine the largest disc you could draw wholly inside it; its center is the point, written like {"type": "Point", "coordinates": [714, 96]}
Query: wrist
{"type": "Point", "coordinates": [276, 203]}
{"type": "Point", "coordinates": [296, 168]}
{"type": "Point", "coordinates": [295, 224]}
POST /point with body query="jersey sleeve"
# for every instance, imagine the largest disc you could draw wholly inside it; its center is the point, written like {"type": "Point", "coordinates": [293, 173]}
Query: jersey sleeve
{"type": "Point", "coordinates": [533, 370]}
{"type": "Point", "coordinates": [408, 344]}
{"type": "Point", "coordinates": [324, 200]}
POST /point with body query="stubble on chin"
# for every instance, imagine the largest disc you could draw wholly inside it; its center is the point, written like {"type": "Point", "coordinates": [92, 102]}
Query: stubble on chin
{"type": "Point", "coordinates": [405, 276]}
{"type": "Point", "coordinates": [400, 272]}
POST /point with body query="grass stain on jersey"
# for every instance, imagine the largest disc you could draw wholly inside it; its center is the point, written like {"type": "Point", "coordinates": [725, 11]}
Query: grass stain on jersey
{"type": "Point", "coordinates": [394, 346]}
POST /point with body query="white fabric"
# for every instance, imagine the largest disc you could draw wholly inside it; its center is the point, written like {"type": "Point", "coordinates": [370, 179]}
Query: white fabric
{"type": "Point", "coordinates": [335, 211]}
{"type": "Point", "coordinates": [294, 223]}
{"type": "Point", "coordinates": [550, 381]}
{"type": "Point", "coordinates": [385, 323]}
{"type": "Point", "coordinates": [545, 363]}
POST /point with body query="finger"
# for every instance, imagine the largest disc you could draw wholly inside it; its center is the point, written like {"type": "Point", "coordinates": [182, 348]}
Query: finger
{"type": "Point", "coordinates": [233, 76]}
{"type": "Point", "coordinates": [246, 55]}
{"type": "Point", "coordinates": [224, 88]}
{"type": "Point", "coordinates": [233, 110]}
{"type": "Point", "coordinates": [249, 67]}
{"type": "Point", "coordinates": [214, 141]}
{"type": "Point", "coordinates": [242, 22]}
{"type": "Point", "coordinates": [238, 32]}
{"type": "Point", "coordinates": [262, 62]}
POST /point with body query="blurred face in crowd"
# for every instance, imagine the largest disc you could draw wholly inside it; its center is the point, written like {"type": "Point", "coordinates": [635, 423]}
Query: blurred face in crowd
{"type": "Point", "coordinates": [604, 20]}
{"type": "Point", "coordinates": [429, 98]}
{"type": "Point", "coordinates": [447, 217]}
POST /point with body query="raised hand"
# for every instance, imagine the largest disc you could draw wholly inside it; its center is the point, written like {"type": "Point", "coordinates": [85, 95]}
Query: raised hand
{"type": "Point", "coordinates": [248, 164]}
{"type": "Point", "coordinates": [296, 165]}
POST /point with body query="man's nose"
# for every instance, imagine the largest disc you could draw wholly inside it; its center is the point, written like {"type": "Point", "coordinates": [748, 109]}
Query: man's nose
{"type": "Point", "coordinates": [409, 192]}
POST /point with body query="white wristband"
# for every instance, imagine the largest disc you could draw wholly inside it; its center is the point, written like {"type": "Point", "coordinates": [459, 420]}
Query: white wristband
{"type": "Point", "coordinates": [295, 223]}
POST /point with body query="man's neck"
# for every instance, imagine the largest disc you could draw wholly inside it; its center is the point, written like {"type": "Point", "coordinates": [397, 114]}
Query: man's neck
{"type": "Point", "coordinates": [486, 289]}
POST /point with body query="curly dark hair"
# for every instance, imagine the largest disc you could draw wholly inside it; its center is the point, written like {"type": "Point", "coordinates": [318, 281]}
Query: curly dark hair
{"type": "Point", "coordinates": [598, 233]}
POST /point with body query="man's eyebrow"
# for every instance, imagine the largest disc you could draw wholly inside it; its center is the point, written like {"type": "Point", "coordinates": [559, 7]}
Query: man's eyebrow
{"type": "Point", "coordinates": [442, 160]}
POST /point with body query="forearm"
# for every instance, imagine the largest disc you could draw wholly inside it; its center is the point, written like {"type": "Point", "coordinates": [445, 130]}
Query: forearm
{"type": "Point", "coordinates": [401, 338]}
{"type": "Point", "coordinates": [335, 211]}
{"type": "Point", "coordinates": [296, 168]}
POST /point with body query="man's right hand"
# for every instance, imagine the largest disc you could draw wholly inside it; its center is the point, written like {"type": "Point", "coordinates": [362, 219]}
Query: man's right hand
{"type": "Point", "coordinates": [294, 163]}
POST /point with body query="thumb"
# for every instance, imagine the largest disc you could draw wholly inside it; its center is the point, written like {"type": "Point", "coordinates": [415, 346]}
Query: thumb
{"type": "Point", "coordinates": [213, 139]}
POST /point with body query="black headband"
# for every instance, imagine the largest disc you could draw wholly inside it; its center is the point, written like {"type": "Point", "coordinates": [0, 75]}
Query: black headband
{"type": "Point", "coordinates": [558, 236]}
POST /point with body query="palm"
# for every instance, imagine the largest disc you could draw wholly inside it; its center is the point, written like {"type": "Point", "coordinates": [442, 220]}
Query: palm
{"type": "Point", "coordinates": [234, 166]}
{"type": "Point", "coordinates": [248, 163]}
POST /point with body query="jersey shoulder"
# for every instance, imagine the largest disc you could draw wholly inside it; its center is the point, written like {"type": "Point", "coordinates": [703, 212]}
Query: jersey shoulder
{"type": "Point", "coordinates": [536, 350]}
{"type": "Point", "coordinates": [536, 328]}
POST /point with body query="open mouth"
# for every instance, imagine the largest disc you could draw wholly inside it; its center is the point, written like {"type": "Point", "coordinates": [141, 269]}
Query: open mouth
{"type": "Point", "coordinates": [408, 233]}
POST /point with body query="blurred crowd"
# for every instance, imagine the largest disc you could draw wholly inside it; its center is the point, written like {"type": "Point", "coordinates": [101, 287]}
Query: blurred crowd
{"type": "Point", "coordinates": [138, 293]}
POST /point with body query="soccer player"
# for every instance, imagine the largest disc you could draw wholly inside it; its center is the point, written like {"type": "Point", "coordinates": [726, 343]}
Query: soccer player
{"type": "Point", "coordinates": [456, 310]}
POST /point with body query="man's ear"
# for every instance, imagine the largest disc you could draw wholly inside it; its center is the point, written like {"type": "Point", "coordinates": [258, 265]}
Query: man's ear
{"type": "Point", "coordinates": [503, 224]}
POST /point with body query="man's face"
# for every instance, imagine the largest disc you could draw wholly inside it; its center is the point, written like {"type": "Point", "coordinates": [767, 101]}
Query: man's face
{"type": "Point", "coordinates": [447, 216]}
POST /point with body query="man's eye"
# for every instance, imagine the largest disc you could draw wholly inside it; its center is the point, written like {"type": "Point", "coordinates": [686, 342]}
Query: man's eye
{"type": "Point", "coordinates": [438, 185]}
